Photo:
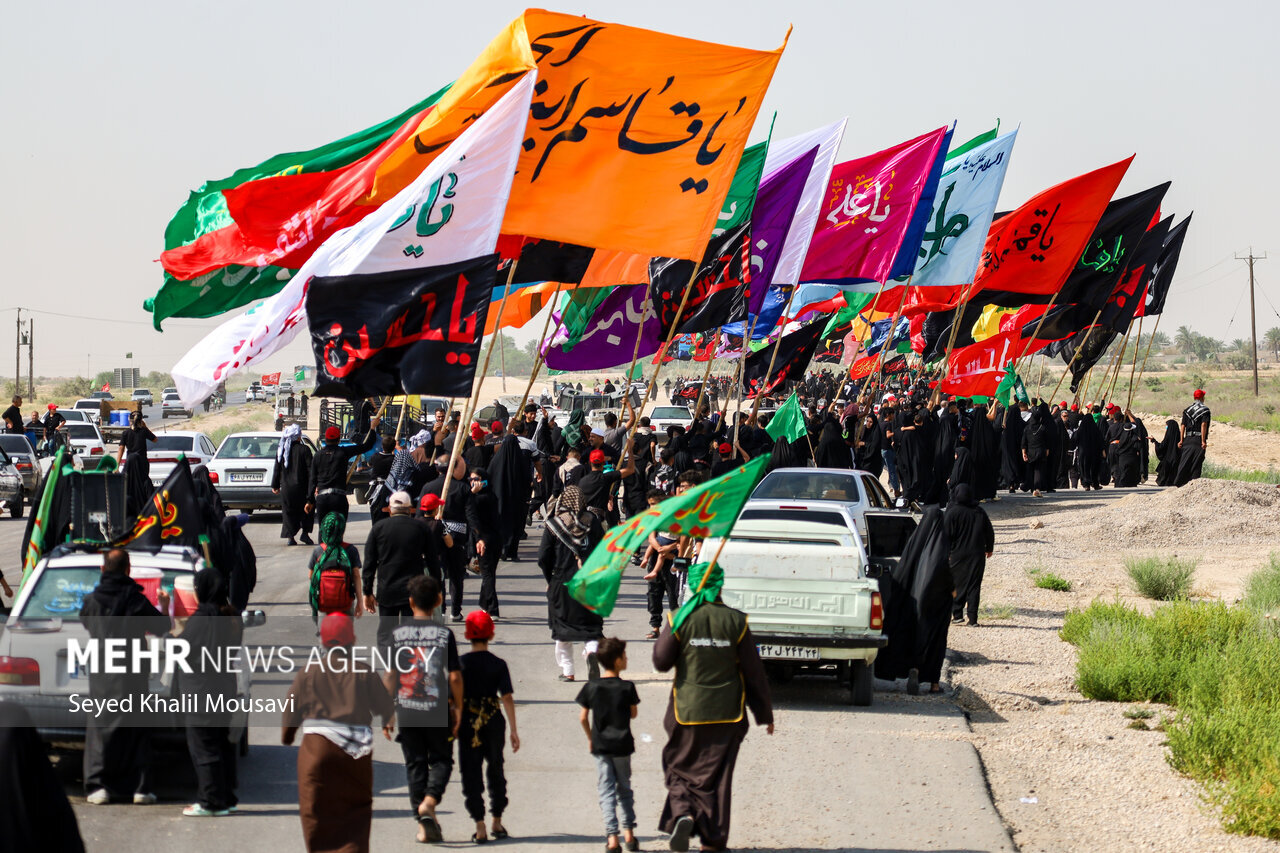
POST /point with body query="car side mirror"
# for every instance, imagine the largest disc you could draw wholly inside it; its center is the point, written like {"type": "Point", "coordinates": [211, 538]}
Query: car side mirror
{"type": "Point", "coordinates": [254, 618]}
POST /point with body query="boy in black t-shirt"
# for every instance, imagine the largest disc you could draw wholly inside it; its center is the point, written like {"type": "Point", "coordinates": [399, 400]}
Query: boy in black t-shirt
{"type": "Point", "coordinates": [426, 681]}
{"type": "Point", "coordinates": [609, 704]}
{"type": "Point", "coordinates": [486, 694]}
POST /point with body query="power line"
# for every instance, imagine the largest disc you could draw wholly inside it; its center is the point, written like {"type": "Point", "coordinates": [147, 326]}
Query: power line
{"type": "Point", "coordinates": [96, 318]}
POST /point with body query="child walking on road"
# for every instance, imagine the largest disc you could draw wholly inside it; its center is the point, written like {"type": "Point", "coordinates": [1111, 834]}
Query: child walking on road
{"type": "Point", "coordinates": [486, 694]}
{"type": "Point", "coordinates": [609, 704]}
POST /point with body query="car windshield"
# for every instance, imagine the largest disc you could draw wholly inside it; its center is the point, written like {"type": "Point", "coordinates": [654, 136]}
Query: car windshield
{"type": "Point", "coordinates": [804, 485]}
{"type": "Point", "coordinates": [248, 447]}
{"type": "Point", "coordinates": [82, 431]}
{"type": "Point", "coordinates": [671, 412]}
{"type": "Point", "coordinates": [59, 593]}
{"type": "Point", "coordinates": [72, 414]}
{"type": "Point", "coordinates": [87, 404]}
{"type": "Point", "coordinates": [171, 442]}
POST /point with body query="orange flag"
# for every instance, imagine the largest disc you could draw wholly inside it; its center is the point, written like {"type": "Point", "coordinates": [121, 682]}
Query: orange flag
{"type": "Point", "coordinates": [633, 136]}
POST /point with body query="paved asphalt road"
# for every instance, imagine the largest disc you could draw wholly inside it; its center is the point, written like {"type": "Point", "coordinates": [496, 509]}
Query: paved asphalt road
{"type": "Point", "coordinates": [898, 776]}
{"type": "Point", "coordinates": [155, 421]}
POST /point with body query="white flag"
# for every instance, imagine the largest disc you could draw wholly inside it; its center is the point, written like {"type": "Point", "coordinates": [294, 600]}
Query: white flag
{"type": "Point", "coordinates": [781, 153]}
{"type": "Point", "coordinates": [452, 212]}
{"type": "Point", "coordinates": [962, 212]}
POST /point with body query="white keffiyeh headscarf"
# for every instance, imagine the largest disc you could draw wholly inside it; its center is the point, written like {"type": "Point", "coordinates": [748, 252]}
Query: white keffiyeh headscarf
{"type": "Point", "coordinates": [287, 438]}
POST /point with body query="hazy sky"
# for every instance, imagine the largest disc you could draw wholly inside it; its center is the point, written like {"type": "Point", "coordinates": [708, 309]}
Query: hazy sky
{"type": "Point", "coordinates": [113, 111]}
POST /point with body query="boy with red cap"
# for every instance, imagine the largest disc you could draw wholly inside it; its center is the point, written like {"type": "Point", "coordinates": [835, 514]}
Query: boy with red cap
{"type": "Point", "coordinates": [327, 488]}
{"type": "Point", "coordinates": [486, 695]}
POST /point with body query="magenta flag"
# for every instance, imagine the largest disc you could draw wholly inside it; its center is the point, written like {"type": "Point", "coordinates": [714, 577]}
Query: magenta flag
{"type": "Point", "coordinates": [867, 211]}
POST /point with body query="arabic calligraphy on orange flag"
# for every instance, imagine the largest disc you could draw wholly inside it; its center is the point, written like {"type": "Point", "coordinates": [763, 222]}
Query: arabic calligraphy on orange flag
{"type": "Point", "coordinates": [633, 135]}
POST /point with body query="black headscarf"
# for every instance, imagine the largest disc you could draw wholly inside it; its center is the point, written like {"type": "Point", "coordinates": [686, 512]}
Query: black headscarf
{"type": "Point", "coordinates": [510, 478]}
{"type": "Point", "coordinates": [868, 456]}
{"type": "Point", "coordinates": [783, 455]}
{"type": "Point", "coordinates": [962, 471]}
{"type": "Point", "coordinates": [1167, 453]}
{"type": "Point", "coordinates": [831, 451]}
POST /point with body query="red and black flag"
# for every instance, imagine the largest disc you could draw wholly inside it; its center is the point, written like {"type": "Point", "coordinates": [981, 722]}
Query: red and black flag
{"type": "Point", "coordinates": [544, 260]}
{"type": "Point", "coordinates": [172, 516]}
{"type": "Point", "coordinates": [721, 290]}
{"type": "Point", "coordinates": [795, 351]}
{"type": "Point", "coordinates": [415, 331]}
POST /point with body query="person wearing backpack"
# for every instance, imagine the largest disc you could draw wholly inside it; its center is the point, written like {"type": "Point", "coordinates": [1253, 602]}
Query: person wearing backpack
{"type": "Point", "coordinates": [334, 569]}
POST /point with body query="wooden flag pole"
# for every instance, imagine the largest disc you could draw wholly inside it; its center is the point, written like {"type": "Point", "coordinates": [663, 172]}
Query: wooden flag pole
{"type": "Point", "coordinates": [1133, 370]}
{"type": "Point", "coordinates": [951, 342]}
{"type": "Point", "coordinates": [737, 380]}
{"type": "Point", "coordinates": [1143, 371]}
{"type": "Point", "coordinates": [706, 374]}
{"type": "Point", "coordinates": [893, 324]}
{"type": "Point", "coordinates": [400, 422]}
{"type": "Point", "coordinates": [1079, 348]}
{"type": "Point", "coordinates": [459, 438]}
{"type": "Point", "coordinates": [1124, 348]}
{"type": "Point", "coordinates": [537, 362]}
{"type": "Point", "coordinates": [662, 350]}
{"type": "Point", "coordinates": [1107, 375]}
{"type": "Point", "coordinates": [782, 319]}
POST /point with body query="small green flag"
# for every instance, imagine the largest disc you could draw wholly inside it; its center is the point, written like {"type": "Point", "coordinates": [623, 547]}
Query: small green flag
{"type": "Point", "coordinates": [708, 510]}
{"type": "Point", "coordinates": [301, 375]}
{"type": "Point", "coordinates": [1011, 382]}
{"type": "Point", "coordinates": [788, 421]}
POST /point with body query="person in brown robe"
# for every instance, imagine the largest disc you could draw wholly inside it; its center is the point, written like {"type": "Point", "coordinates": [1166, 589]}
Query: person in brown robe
{"type": "Point", "coordinates": [335, 710]}
{"type": "Point", "coordinates": [718, 675]}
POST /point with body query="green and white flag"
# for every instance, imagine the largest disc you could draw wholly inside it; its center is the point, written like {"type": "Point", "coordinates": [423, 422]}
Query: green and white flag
{"type": "Point", "coordinates": [788, 421]}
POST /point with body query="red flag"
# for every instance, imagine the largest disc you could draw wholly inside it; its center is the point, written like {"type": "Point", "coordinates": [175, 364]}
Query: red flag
{"type": "Point", "coordinates": [106, 386]}
{"type": "Point", "coordinates": [864, 367]}
{"type": "Point", "coordinates": [976, 370]}
{"type": "Point", "coordinates": [271, 379]}
{"type": "Point", "coordinates": [1034, 249]}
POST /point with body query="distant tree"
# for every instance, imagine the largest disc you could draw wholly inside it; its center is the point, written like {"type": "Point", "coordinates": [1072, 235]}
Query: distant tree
{"type": "Point", "coordinates": [1185, 340]}
{"type": "Point", "coordinates": [1272, 337]}
{"type": "Point", "coordinates": [1160, 341]}
{"type": "Point", "coordinates": [1240, 345]}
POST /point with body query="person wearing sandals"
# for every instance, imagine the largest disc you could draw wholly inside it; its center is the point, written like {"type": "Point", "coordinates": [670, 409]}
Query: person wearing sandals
{"type": "Point", "coordinates": [334, 706]}
{"type": "Point", "coordinates": [486, 696]}
{"type": "Point", "coordinates": [571, 531]}
{"type": "Point", "coordinates": [426, 680]}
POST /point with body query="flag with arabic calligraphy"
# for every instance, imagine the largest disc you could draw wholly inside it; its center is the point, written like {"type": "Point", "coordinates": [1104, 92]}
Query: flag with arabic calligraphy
{"type": "Point", "coordinates": [420, 334]}
{"type": "Point", "coordinates": [869, 206]}
{"type": "Point", "coordinates": [610, 339]}
{"type": "Point", "coordinates": [452, 212]}
{"type": "Point", "coordinates": [718, 294]}
{"type": "Point", "coordinates": [1034, 248]}
{"type": "Point", "coordinates": [963, 209]}
{"type": "Point", "coordinates": [205, 212]}
{"type": "Point", "coordinates": [634, 136]}
{"type": "Point", "coordinates": [708, 510]}
{"type": "Point", "coordinates": [171, 516]}
{"type": "Point", "coordinates": [825, 143]}
{"type": "Point", "coordinates": [864, 367]}
{"type": "Point", "coordinates": [978, 369]}
{"type": "Point", "coordinates": [775, 208]}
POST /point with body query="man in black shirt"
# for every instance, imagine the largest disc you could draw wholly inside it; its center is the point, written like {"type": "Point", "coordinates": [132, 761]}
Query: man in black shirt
{"type": "Point", "coordinates": [454, 518]}
{"type": "Point", "coordinates": [53, 419]}
{"type": "Point", "coordinates": [726, 462]}
{"type": "Point", "coordinates": [13, 417]}
{"type": "Point", "coordinates": [597, 485]}
{"type": "Point", "coordinates": [327, 491]}
{"type": "Point", "coordinates": [398, 550]}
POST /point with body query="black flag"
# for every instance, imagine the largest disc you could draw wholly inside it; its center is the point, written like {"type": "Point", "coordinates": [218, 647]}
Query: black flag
{"type": "Point", "coordinates": [1162, 274]}
{"type": "Point", "coordinates": [415, 331]}
{"type": "Point", "coordinates": [172, 516]}
{"type": "Point", "coordinates": [548, 260]}
{"type": "Point", "coordinates": [795, 351]}
{"type": "Point", "coordinates": [720, 290]}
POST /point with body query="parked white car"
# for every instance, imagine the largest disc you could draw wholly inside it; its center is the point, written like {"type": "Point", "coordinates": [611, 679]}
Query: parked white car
{"type": "Point", "coordinates": [34, 670]}
{"type": "Point", "coordinates": [19, 449]}
{"type": "Point", "coordinates": [92, 408]}
{"type": "Point", "coordinates": [165, 451]}
{"type": "Point", "coordinates": [172, 405]}
{"type": "Point", "coordinates": [85, 439]}
{"type": "Point", "coordinates": [143, 396]}
{"type": "Point", "coordinates": [243, 467]}
{"type": "Point", "coordinates": [810, 588]}
{"type": "Point", "coordinates": [77, 416]}
{"type": "Point", "coordinates": [11, 489]}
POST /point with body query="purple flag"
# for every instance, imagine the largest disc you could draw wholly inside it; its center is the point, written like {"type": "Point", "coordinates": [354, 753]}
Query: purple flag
{"type": "Point", "coordinates": [610, 339]}
{"type": "Point", "coordinates": [771, 219]}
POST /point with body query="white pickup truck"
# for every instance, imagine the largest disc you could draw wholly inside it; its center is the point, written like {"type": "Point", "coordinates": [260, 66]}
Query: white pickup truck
{"type": "Point", "coordinates": [811, 591]}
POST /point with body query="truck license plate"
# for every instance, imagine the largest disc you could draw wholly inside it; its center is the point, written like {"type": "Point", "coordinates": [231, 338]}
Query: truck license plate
{"type": "Point", "coordinates": [246, 478]}
{"type": "Point", "coordinates": [774, 652]}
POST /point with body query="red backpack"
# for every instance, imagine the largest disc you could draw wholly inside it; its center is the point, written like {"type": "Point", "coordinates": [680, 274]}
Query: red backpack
{"type": "Point", "coordinates": [333, 593]}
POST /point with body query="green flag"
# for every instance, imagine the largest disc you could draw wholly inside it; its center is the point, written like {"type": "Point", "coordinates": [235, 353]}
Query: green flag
{"type": "Point", "coordinates": [1011, 382]}
{"type": "Point", "coordinates": [741, 198]}
{"type": "Point", "coordinates": [577, 307]}
{"type": "Point", "coordinates": [205, 211]}
{"type": "Point", "coordinates": [980, 139]}
{"type": "Point", "coordinates": [40, 525]}
{"type": "Point", "coordinates": [708, 510]}
{"type": "Point", "coordinates": [300, 376]}
{"type": "Point", "coordinates": [788, 421]}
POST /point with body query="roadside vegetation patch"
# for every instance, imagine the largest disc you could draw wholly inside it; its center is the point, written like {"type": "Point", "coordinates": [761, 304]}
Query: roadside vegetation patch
{"type": "Point", "coordinates": [1217, 666]}
{"type": "Point", "coordinates": [1161, 578]}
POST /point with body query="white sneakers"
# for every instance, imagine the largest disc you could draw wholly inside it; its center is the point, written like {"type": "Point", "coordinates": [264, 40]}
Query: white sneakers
{"type": "Point", "coordinates": [197, 810]}
{"type": "Point", "coordinates": [99, 797]}
{"type": "Point", "coordinates": [144, 799]}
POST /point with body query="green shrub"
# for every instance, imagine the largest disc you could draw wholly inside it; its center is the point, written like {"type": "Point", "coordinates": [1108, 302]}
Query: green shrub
{"type": "Point", "coordinates": [1077, 624]}
{"type": "Point", "coordinates": [1262, 588]}
{"type": "Point", "coordinates": [1161, 578]}
{"type": "Point", "coordinates": [1214, 471]}
{"type": "Point", "coordinates": [1049, 580]}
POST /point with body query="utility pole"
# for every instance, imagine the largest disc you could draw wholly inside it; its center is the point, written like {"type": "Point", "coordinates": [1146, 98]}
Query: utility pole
{"type": "Point", "coordinates": [31, 357]}
{"type": "Point", "coordinates": [1253, 316]}
{"type": "Point", "coordinates": [17, 356]}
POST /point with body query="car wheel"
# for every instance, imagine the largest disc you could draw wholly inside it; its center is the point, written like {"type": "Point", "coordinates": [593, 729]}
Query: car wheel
{"type": "Point", "coordinates": [861, 682]}
{"type": "Point", "coordinates": [15, 509]}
